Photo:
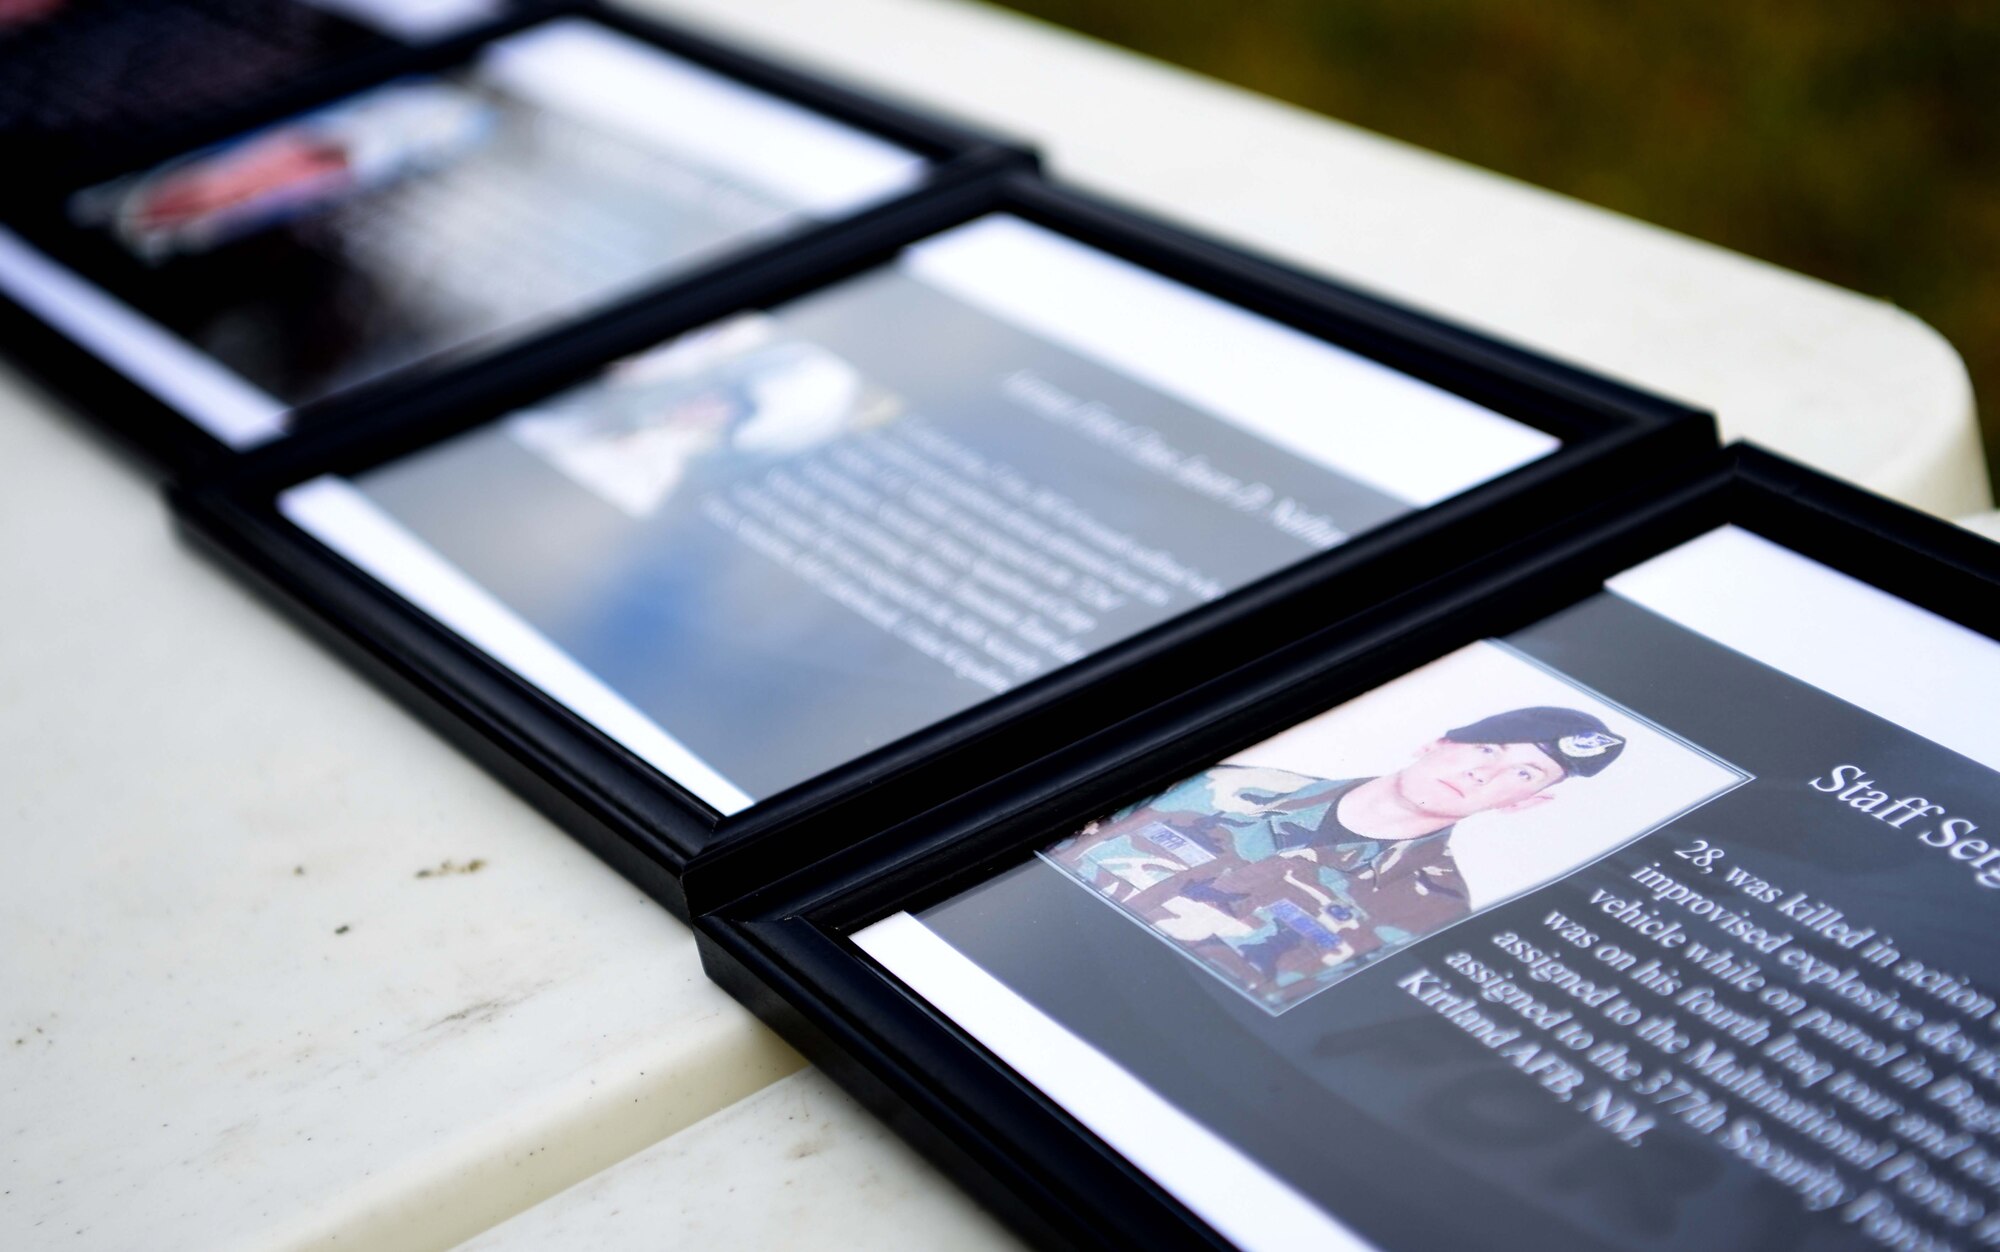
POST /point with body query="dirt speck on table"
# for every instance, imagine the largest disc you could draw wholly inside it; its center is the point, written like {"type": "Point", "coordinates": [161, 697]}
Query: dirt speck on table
{"type": "Point", "coordinates": [442, 868]}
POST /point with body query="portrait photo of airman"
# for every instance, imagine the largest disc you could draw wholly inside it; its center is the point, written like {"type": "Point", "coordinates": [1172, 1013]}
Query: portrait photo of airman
{"type": "Point", "coordinates": [737, 395]}
{"type": "Point", "coordinates": [1304, 859]}
{"type": "Point", "coordinates": [1284, 883]}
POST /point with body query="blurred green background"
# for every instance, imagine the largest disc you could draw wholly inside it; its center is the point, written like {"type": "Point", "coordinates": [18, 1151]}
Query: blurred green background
{"type": "Point", "coordinates": [1857, 141]}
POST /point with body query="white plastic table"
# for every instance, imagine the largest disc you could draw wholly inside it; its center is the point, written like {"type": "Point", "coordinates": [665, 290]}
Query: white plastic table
{"type": "Point", "coordinates": [798, 1167]}
{"type": "Point", "coordinates": [278, 968]}
{"type": "Point", "coordinates": [233, 1015]}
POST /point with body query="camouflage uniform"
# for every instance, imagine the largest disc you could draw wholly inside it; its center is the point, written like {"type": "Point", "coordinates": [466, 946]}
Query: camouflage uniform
{"type": "Point", "coordinates": [1249, 871]}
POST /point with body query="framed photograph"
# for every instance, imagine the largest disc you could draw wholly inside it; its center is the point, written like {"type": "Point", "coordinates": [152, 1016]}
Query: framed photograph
{"type": "Point", "coordinates": [528, 188]}
{"type": "Point", "coordinates": [93, 88]}
{"type": "Point", "coordinates": [1035, 455]}
{"type": "Point", "coordinates": [1627, 891]}
{"type": "Point", "coordinates": [1434, 821]}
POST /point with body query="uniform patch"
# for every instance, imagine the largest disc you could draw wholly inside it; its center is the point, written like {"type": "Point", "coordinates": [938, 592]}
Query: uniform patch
{"type": "Point", "coordinates": [1588, 744]}
{"type": "Point", "coordinates": [1277, 922]}
{"type": "Point", "coordinates": [1165, 837]}
{"type": "Point", "coordinates": [1301, 923]}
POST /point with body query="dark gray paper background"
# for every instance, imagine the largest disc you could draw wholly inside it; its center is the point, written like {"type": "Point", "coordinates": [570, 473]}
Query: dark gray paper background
{"type": "Point", "coordinates": [549, 217]}
{"type": "Point", "coordinates": [1413, 1134]}
{"type": "Point", "coordinates": [760, 674]}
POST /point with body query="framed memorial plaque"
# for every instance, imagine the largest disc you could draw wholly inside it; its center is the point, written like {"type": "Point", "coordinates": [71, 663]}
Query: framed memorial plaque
{"type": "Point", "coordinates": [90, 86]}
{"type": "Point", "coordinates": [1623, 891]}
{"type": "Point", "coordinates": [405, 236]}
{"type": "Point", "coordinates": [861, 538]}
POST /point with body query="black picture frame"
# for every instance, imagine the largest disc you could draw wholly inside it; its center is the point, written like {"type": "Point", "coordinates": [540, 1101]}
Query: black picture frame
{"type": "Point", "coordinates": [43, 163]}
{"type": "Point", "coordinates": [677, 848]}
{"type": "Point", "coordinates": [780, 947]}
{"type": "Point", "coordinates": [176, 447]}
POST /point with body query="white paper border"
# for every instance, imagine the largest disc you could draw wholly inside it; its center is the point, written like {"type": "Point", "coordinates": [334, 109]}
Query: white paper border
{"type": "Point", "coordinates": [825, 167]}
{"type": "Point", "coordinates": [1414, 441]}
{"type": "Point", "coordinates": [415, 21]}
{"type": "Point", "coordinates": [1226, 1188]}
{"type": "Point", "coordinates": [1928, 675]}
{"type": "Point", "coordinates": [211, 396]}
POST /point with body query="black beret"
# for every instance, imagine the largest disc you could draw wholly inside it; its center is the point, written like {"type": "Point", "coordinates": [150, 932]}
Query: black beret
{"type": "Point", "coordinates": [1579, 742]}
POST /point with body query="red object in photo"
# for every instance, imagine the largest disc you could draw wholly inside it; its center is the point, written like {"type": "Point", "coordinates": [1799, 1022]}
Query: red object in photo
{"type": "Point", "coordinates": [290, 164]}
